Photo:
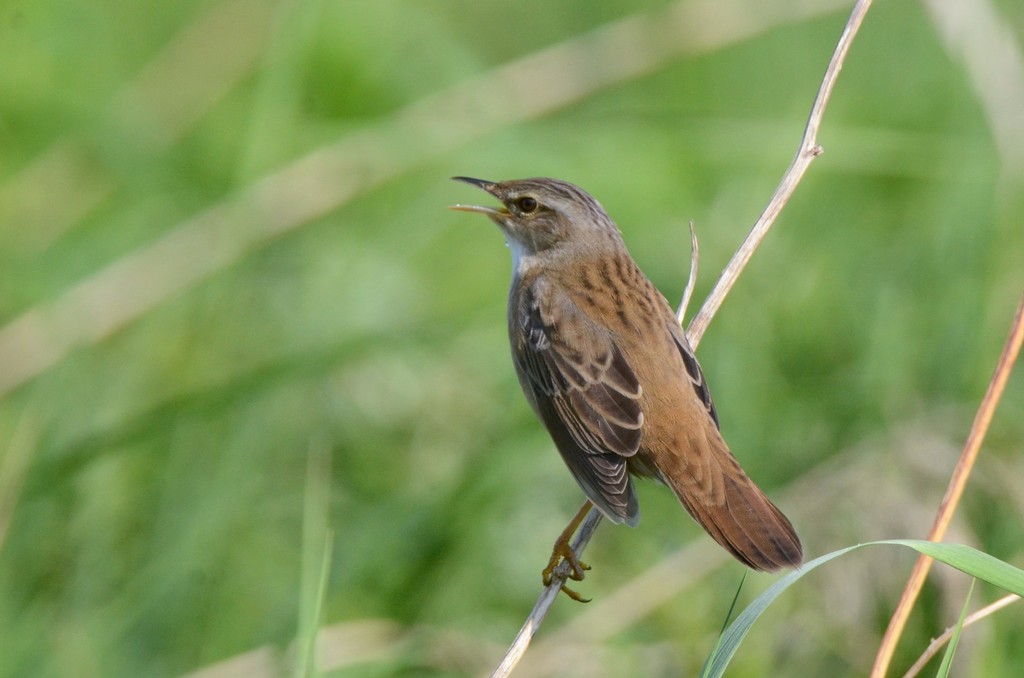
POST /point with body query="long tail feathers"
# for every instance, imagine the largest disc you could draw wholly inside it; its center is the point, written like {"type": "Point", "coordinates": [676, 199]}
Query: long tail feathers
{"type": "Point", "coordinates": [742, 519]}
{"type": "Point", "coordinates": [751, 527]}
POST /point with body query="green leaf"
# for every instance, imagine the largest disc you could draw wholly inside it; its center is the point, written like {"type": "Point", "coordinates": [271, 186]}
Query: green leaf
{"type": "Point", "coordinates": [969, 560]}
{"type": "Point", "coordinates": [947, 658]}
{"type": "Point", "coordinates": [963, 558]}
{"type": "Point", "coordinates": [728, 616]}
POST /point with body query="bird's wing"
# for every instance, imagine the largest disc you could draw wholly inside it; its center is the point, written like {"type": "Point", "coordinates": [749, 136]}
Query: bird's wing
{"type": "Point", "coordinates": [586, 393]}
{"type": "Point", "coordinates": [693, 371]}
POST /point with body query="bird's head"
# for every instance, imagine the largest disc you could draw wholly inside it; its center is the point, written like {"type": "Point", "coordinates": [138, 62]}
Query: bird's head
{"type": "Point", "coordinates": [546, 217]}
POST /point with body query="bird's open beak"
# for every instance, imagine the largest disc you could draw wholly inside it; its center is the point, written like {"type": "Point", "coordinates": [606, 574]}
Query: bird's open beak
{"type": "Point", "coordinates": [489, 186]}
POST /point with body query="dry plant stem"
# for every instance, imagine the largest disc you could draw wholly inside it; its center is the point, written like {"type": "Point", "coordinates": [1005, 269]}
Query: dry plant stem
{"type": "Point", "coordinates": [953, 492]}
{"type": "Point", "coordinates": [808, 150]}
{"type": "Point", "coordinates": [522, 641]}
{"type": "Point", "coordinates": [940, 642]}
{"type": "Point", "coordinates": [692, 282]}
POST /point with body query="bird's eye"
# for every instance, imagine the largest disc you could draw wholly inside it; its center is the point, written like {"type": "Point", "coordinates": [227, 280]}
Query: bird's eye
{"type": "Point", "coordinates": [527, 205]}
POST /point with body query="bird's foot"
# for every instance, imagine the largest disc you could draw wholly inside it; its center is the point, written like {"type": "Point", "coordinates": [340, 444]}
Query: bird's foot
{"type": "Point", "coordinates": [563, 553]}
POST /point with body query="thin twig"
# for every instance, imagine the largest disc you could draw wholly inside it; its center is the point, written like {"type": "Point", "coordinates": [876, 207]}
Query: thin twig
{"type": "Point", "coordinates": [692, 280]}
{"type": "Point", "coordinates": [953, 492]}
{"type": "Point", "coordinates": [522, 641]}
{"type": "Point", "coordinates": [938, 643]}
{"type": "Point", "coordinates": [809, 149]}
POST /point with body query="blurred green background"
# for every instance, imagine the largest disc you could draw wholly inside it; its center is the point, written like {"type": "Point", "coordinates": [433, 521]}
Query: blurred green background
{"type": "Point", "coordinates": [236, 317]}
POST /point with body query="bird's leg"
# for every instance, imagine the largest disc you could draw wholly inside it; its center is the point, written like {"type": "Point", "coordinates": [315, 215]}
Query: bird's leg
{"type": "Point", "coordinates": [562, 552]}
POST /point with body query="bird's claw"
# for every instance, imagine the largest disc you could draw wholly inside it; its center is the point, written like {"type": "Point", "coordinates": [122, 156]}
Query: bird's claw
{"type": "Point", "coordinates": [563, 553]}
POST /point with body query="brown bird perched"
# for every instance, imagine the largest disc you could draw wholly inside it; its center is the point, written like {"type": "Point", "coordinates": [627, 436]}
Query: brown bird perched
{"type": "Point", "coordinates": [607, 368]}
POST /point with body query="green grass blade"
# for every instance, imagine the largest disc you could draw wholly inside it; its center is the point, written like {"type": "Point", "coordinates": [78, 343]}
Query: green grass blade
{"type": "Point", "coordinates": [964, 558]}
{"type": "Point", "coordinates": [728, 616]}
{"type": "Point", "coordinates": [718, 661]}
{"type": "Point", "coordinates": [968, 560]}
{"type": "Point", "coordinates": [947, 658]}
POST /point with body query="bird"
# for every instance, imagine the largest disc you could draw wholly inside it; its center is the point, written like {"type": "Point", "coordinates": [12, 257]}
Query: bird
{"type": "Point", "coordinates": [608, 370]}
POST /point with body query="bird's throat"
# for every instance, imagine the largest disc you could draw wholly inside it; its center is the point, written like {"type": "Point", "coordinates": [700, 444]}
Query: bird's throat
{"type": "Point", "coordinates": [522, 258]}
